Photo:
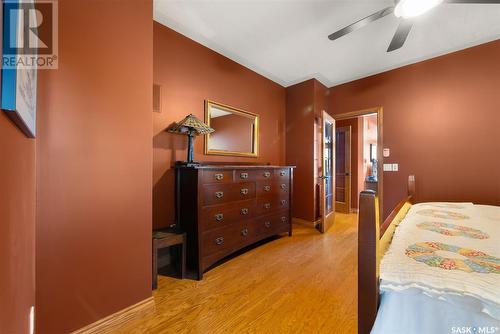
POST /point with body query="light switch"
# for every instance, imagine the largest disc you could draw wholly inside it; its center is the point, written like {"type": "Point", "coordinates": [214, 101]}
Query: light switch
{"type": "Point", "coordinates": [387, 167]}
{"type": "Point", "coordinates": [395, 167]}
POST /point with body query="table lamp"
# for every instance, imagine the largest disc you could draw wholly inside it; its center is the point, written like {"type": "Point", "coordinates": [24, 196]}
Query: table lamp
{"type": "Point", "coordinates": [190, 126]}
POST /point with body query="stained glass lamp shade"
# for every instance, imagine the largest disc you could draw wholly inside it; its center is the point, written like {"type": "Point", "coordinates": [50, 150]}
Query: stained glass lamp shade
{"type": "Point", "coordinates": [190, 126]}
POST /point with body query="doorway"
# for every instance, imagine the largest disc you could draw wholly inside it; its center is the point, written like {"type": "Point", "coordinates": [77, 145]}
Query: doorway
{"type": "Point", "coordinates": [359, 157]}
{"type": "Point", "coordinates": [343, 168]}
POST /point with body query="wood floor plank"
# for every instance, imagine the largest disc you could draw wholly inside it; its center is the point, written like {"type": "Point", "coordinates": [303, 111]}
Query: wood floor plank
{"type": "Point", "coordinates": [300, 284]}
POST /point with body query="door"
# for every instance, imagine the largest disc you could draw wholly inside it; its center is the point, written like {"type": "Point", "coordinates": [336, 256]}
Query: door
{"type": "Point", "coordinates": [327, 184]}
{"type": "Point", "coordinates": [343, 169]}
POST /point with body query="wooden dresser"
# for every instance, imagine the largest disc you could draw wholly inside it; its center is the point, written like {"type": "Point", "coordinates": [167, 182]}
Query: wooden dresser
{"type": "Point", "coordinates": [224, 208]}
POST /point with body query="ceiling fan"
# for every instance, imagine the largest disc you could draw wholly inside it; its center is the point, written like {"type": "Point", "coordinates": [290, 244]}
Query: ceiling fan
{"type": "Point", "coordinates": [405, 10]}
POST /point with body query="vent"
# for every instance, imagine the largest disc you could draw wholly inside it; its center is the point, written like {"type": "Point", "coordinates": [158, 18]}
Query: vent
{"type": "Point", "coordinates": [156, 98]}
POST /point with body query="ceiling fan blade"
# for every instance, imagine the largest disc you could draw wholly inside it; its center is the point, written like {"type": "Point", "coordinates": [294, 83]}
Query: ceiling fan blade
{"type": "Point", "coordinates": [474, 1]}
{"type": "Point", "coordinates": [400, 36]}
{"type": "Point", "coordinates": [361, 23]}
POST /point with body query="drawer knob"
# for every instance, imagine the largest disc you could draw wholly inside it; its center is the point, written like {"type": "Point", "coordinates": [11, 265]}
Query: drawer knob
{"type": "Point", "coordinates": [244, 232]}
{"type": "Point", "coordinates": [283, 202]}
{"type": "Point", "coordinates": [244, 191]}
{"type": "Point", "coordinates": [267, 206]}
{"type": "Point", "coordinates": [219, 240]}
{"type": "Point", "coordinates": [219, 217]}
{"type": "Point", "coordinates": [244, 211]}
{"type": "Point", "coordinates": [267, 174]}
{"type": "Point", "coordinates": [219, 194]}
{"type": "Point", "coordinates": [219, 176]}
{"type": "Point", "coordinates": [282, 173]}
{"type": "Point", "coordinates": [267, 224]}
{"type": "Point", "coordinates": [267, 188]}
{"type": "Point", "coordinates": [283, 219]}
{"type": "Point", "coordinates": [283, 186]}
{"type": "Point", "coordinates": [244, 175]}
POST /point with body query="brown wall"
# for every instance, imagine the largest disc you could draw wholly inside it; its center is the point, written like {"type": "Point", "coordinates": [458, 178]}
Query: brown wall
{"type": "Point", "coordinates": [300, 146]}
{"type": "Point", "coordinates": [94, 165]}
{"type": "Point", "coordinates": [189, 73]}
{"type": "Point", "coordinates": [17, 228]}
{"type": "Point", "coordinates": [305, 103]}
{"type": "Point", "coordinates": [441, 121]}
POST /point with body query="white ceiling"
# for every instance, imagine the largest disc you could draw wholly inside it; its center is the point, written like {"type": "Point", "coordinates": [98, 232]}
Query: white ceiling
{"type": "Point", "coordinates": [286, 40]}
{"type": "Point", "coordinates": [215, 112]}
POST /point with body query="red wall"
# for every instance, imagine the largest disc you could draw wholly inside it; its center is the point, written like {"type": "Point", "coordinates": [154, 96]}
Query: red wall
{"type": "Point", "coordinates": [441, 123]}
{"type": "Point", "coordinates": [304, 103]}
{"type": "Point", "coordinates": [189, 73]}
{"type": "Point", "coordinates": [17, 228]}
{"type": "Point", "coordinates": [94, 165]}
{"type": "Point", "coordinates": [300, 147]}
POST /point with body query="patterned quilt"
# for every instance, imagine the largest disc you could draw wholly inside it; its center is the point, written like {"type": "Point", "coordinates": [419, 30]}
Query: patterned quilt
{"type": "Point", "coordinates": [448, 251]}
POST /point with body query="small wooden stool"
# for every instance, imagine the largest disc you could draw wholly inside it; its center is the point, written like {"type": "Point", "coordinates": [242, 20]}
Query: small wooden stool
{"type": "Point", "coordinates": [168, 239]}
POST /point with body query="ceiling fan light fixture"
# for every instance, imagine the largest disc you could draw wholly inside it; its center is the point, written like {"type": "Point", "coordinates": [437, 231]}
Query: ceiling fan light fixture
{"type": "Point", "coordinates": [411, 8]}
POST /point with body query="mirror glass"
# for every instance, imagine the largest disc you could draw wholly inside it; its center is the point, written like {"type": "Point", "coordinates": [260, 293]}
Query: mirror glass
{"type": "Point", "coordinates": [236, 131]}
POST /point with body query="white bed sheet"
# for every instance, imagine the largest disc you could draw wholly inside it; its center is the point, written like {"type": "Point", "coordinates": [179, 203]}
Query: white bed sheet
{"type": "Point", "coordinates": [414, 312]}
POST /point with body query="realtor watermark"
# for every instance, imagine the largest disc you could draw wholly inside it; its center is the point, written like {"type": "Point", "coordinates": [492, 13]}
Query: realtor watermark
{"type": "Point", "coordinates": [30, 34]}
{"type": "Point", "coordinates": [474, 330]}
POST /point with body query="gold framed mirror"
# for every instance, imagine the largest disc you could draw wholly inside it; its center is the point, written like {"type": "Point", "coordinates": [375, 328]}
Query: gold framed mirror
{"type": "Point", "coordinates": [236, 131]}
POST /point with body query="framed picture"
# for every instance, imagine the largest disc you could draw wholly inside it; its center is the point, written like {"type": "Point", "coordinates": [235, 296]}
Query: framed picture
{"type": "Point", "coordinates": [19, 79]}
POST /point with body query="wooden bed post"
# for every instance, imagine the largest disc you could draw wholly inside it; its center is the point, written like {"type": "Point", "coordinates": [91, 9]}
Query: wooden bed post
{"type": "Point", "coordinates": [368, 279]}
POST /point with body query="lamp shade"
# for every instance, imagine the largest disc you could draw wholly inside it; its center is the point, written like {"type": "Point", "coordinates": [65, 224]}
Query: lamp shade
{"type": "Point", "coordinates": [191, 124]}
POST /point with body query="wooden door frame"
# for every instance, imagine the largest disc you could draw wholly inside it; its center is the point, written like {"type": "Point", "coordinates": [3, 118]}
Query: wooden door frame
{"type": "Point", "coordinates": [347, 180]}
{"type": "Point", "coordinates": [380, 145]}
{"type": "Point", "coordinates": [323, 226]}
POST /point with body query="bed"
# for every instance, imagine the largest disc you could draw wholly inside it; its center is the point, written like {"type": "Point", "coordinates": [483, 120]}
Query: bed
{"type": "Point", "coordinates": [428, 268]}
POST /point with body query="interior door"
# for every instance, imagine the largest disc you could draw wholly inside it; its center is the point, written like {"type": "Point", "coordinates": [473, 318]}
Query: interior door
{"type": "Point", "coordinates": [343, 169]}
{"type": "Point", "coordinates": [327, 189]}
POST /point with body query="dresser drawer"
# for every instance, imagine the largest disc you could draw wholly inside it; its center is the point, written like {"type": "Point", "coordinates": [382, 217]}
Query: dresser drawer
{"type": "Point", "coordinates": [223, 193]}
{"type": "Point", "coordinates": [216, 216]}
{"type": "Point", "coordinates": [217, 176]}
{"type": "Point", "coordinates": [264, 174]}
{"type": "Point", "coordinates": [272, 224]}
{"type": "Point", "coordinates": [242, 175]}
{"type": "Point", "coordinates": [227, 237]}
{"type": "Point", "coordinates": [272, 188]}
{"type": "Point", "coordinates": [281, 174]}
{"type": "Point", "coordinates": [266, 205]}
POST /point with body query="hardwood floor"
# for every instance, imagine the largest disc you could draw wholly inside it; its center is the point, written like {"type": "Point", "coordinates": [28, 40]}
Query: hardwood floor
{"type": "Point", "coordinates": [301, 284]}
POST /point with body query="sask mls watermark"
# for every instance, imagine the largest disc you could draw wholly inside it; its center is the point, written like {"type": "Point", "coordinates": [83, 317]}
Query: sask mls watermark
{"type": "Point", "coordinates": [29, 34]}
{"type": "Point", "coordinates": [474, 330]}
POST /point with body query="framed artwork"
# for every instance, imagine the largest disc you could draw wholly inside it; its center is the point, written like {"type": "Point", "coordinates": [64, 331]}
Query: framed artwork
{"type": "Point", "coordinates": [19, 81]}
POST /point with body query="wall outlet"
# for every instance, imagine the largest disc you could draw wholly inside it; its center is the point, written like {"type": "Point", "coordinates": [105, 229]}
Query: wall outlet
{"type": "Point", "coordinates": [395, 167]}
